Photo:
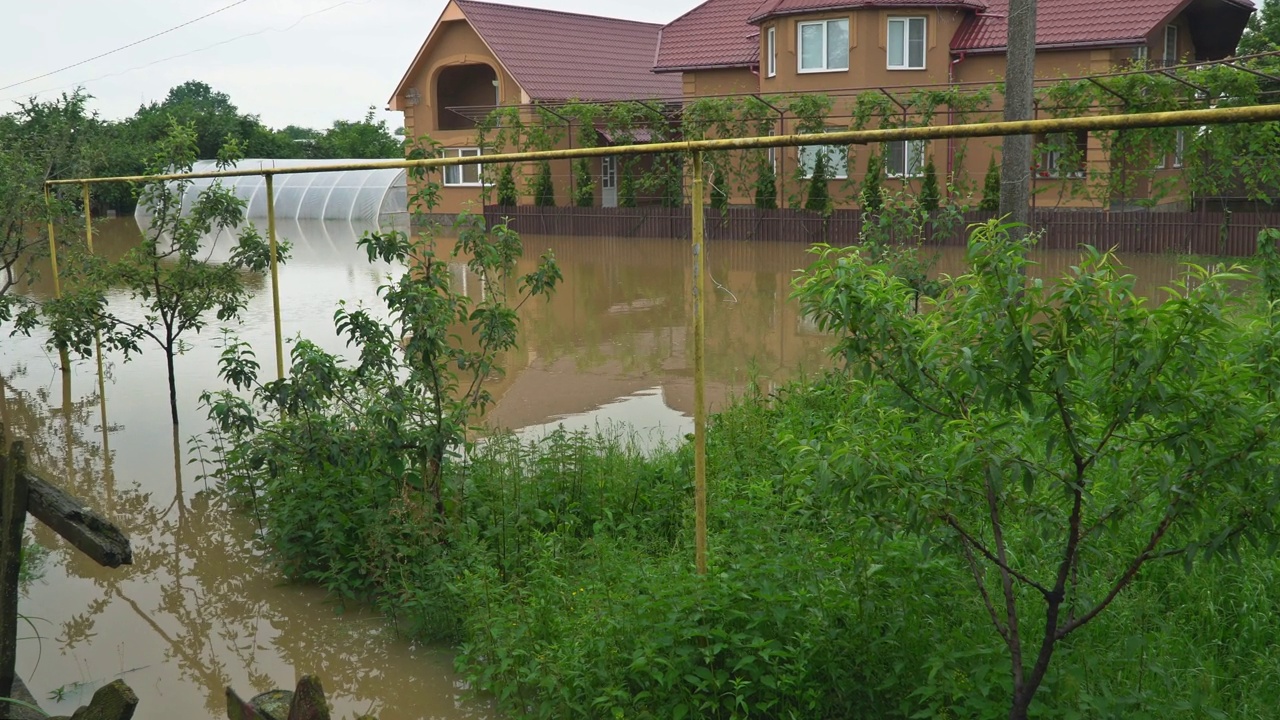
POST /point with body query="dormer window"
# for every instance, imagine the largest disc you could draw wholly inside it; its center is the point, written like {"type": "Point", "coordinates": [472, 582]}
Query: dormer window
{"type": "Point", "coordinates": [906, 43]}
{"type": "Point", "coordinates": [824, 45]}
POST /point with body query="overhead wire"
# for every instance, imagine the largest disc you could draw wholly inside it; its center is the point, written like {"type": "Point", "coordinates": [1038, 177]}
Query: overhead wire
{"type": "Point", "coordinates": [220, 43]}
{"type": "Point", "coordinates": [135, 43]}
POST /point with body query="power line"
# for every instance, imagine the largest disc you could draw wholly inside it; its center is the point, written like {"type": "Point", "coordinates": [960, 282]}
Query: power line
{"type": "Point", "coordinates": [220, 43]}
{"type": "Point", "coordinates": [126, 47]}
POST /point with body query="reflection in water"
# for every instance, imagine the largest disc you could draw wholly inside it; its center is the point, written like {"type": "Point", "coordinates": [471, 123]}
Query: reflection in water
{"type": "Point", "coordinates": [201, 609]}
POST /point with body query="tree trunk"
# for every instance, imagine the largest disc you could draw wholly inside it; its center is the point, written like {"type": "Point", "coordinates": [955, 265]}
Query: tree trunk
{"type": "Point", "coordinates": [1015, 172]}
{"type": "Point", "coordinates": [173, 386]}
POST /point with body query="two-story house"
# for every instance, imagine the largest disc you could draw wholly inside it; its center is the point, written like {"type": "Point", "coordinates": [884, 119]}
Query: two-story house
{"type": "Point", "coordinates": [481, 55]}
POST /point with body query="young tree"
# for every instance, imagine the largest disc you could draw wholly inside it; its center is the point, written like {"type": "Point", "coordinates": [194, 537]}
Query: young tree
{"type": "Point", "coordinates": [626, 184]}
{"type": "Point", "coordinates": [167, 272]}
{"type": "Point", "coordinates": [930, 196]}
{"type": "Point", "coordinates": [766, 189]}
{"type": "Point", "coordinates": [818, 198]}
{"type": "Point", "coordinates": [1056, 437]}
{"type": "Point", "coordinates": [719, 191]}
{"type": "Point", "coordinates": [544, 191]}
{"type": "Point", "coordinates": [507, 196]}
{"type": "Point", "coordinates": [872, 196]}
{"type": "Point", "coordinates": [368, 138]}
{"type": "Point", "coordinates": [382, 427]}
{"type": "Point", "coordinates": [991, 188]}
{"type": "Point", "coordinates": [584, 190]}
{"type": "Point", "coordinates": [1263, 32]}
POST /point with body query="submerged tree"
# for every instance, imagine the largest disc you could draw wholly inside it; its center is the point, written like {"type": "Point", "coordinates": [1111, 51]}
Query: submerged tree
{"type": "Point", "coordinates": [1056, 436]}
{"type": "Point", "coordinates": [167, 272]}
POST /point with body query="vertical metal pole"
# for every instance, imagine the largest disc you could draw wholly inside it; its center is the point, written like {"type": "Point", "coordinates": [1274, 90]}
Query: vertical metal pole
{"type": "Point", "coordinates": [53, 265]}
{"type": "Point", "coordinates": [699, 374]}
{"type": "Point", "coordinates": [275, 272]}
{"type": "Point", "coordinates": [97, 334]}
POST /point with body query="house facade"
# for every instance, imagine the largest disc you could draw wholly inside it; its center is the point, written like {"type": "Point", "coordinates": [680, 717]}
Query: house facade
{"type": "Point", "coordinates": [483, 54]}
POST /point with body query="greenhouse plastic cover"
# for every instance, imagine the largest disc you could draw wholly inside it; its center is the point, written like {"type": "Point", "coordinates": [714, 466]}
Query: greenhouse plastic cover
{"type": "Point", "coordinates": [351, 195]}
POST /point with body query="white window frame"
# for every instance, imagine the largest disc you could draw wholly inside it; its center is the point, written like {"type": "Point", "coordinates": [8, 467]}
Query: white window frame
{"type": "Point", "coordinates": [800, 26]}
{"type": "Point", "coordinates": [1050, 160]}
{"type": "Point", "coordinates": [1180, 148]}
{"type": "Point", "coordinates": [837, 160]}
{"type": "Point", "coordinates": [1141, 55]}
{"type": "Point", "coordinates": [771, 50]}
{"type": "Point", "coordinates": [1170, 33]}
{"type": "Point", "coordinates": [454, 174]}
{"type": "Point", "coordinates": [609, 172]}
{"type": "Point", "coordinates": [905, 23]}
{"type": "Point", "coordinates": [919, 147]}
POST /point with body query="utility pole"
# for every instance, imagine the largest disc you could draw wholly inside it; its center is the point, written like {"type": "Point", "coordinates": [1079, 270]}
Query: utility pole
{"type": "Point", "coordinates": [1015, 150]}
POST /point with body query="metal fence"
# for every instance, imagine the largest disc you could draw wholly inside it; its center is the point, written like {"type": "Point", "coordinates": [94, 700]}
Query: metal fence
{"type": "Point", "coordinates": [1198, 232]}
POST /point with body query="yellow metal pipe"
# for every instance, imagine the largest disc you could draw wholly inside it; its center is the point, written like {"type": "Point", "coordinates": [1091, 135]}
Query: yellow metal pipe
{"type": "Point", "coordinates": [275, 274]}
{"type": "Point", "coordinates": [1216, 116]}
{"type": "Point", "coordinates": [699, 371]}
{"type": "Point", "coordinates": [97, 334]}
{"type": "Point", "coordinates": [53, 266]}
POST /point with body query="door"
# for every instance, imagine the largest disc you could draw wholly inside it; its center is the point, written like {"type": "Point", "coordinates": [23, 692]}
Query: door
{"type": "Point", "coordinates": [609, 181]}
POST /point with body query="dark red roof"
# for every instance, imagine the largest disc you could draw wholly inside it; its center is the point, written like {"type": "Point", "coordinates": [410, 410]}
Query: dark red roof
{"type": "Point", "coordinates": [1073, 22]}
{"type": "Point", "coordinates": [557, 55]}
{"type": "Point", "coordinates": [713, 34]}
{"type": "Point", "coordinates": [775, 8]}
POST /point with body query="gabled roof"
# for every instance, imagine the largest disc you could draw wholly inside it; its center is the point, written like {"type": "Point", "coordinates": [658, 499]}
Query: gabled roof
{"type": "Point", "coordinates": [1077, 23]}
{"type": "Point", "coordinates": [715, 34]}
{"type": "Point", "coordinates": [775, 8]}
{"type": "Point", "coordinates": [556, 55]}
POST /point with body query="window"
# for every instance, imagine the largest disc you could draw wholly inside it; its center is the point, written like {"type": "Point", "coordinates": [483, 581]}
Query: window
{"type": "Point", "coordinates": [1062, 155]}
{"type": "Point", "coordinates": [1171, 45]}
{"type": "Point", "coordinates": [1179, 148]}
{"type": "Point", "coordinates": [836, 157]}
{"type": "Point", "coordinates": [904, 158]}
{"type": "Point", "coordinates": [824, 45]}
{"type": "Point", "coordinates": [1140, 55]}
{"type": "Point", "coordinates": [462, 175]}
{"type": "Point", "coordinates": [771, 52]}
{"type": "Point", "coordinates": [906, 43]}
{"type": "Point", "coordinates": [609, 172]}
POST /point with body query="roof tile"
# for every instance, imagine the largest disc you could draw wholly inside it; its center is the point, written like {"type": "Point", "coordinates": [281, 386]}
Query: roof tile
{"type": "Point", "coordinates": [557, 55]}
{"type": "Point", "coordinates": [713, 34]}
{"type": "Point", "coordinates": [774, 8]}
{"type": "Point", "coordinates": [1070, 22]}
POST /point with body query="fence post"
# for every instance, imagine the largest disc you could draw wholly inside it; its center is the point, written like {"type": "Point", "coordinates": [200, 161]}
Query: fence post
{"type": "Point", "coordinates": [97, 334]}
{"type": "Point", "coordinates": [699, 379]}
{"type": "Point", "coordinates": [13, 512]}
{"type": "Point", "coordinates": [53, 266]}
{"type": "Point", "coordinates": [275, 272]}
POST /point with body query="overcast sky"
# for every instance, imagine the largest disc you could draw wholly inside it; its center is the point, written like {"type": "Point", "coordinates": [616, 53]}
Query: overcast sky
{"type": "Point", "coordinates": [299, 62]}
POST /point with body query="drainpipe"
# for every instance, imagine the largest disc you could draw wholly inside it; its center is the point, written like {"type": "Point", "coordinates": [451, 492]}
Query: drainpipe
{"type": "Point", "coordinates": [951, 111]}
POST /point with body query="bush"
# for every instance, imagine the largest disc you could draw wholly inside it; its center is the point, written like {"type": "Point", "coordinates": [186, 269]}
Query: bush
{"type": "Point", "coordinates": [991, 188]}
{"type": "Point", "coordinates": [766, 190]}
{"type": "Point", "coordinates": [719, 191]}
{"type": "Point", "coordinates": [818, 199]}
{"type": "Point", "coordinates": [584, 187]}
{"type": "Point", "coordinates": [507, 195]}
{"type": "Point", "coordinates": [872, 196]}
{"type": "Point", "coordinates": [544, 191]}
{"type": "Point", "coordinates": [930, 197]}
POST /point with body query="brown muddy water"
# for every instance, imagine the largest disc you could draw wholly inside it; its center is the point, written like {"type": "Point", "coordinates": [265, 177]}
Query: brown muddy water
{"type": "Point", "coordinates": [200, 609]}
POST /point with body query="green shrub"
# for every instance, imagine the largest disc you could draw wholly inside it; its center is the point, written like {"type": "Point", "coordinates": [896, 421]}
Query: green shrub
{"type": "Point", "coordinates": [544, 191]}
{"type": "Point", "coordinates": [930, 197]}
{"type": "Point", "coordinates": [872, 197]}
{"type": "Point", "coordinates": [719, 191]}
{"type": "Point", "coordinates": [584, 188]}
{"type": "Point", "coordinates": [818, 199]}
{"type": "Point", "coordinates": [766, 189]}
{"type": "Point", "coordinates": [507, 195]}
{"type": "Point", "coordinates": [991, 188]}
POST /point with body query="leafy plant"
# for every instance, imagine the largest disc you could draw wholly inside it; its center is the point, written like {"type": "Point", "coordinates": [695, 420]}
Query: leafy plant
{"type": "Point", "coordinates": [1057, 438]}
{"type": "Point", "coordinates": [991, 188]}
{"type": "Point", "coordinates": [584, 188]}
{"type": "Point", "coordinates": [544, 191]}
{"type": "Point", "coordinates": [766, 187]}
{"type": "Point", "coordinates": [930, 197]}
{"type": "Point", "coordinates": [818, 199]}
{"type": "Point", "coordinates": [872, 196]}
{"type": "Point", "coordinates": [178, 288]}
{"type": "Point", "coordinates": [507, 195]}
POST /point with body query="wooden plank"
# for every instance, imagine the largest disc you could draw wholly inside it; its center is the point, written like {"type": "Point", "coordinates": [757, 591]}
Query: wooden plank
{"type": "Point", "coordinates": [86, 530]}
{"type": "Point", "coordinates": [13, 513]}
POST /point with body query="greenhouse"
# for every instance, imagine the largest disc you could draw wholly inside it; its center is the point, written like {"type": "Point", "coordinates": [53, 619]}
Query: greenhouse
{"type": "Point", "coordinates": [354, 195]}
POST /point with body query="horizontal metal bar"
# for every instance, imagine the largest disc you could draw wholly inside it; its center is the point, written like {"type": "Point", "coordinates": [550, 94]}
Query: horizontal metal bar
{"type": "Point", "coordinates": [1216, 116]}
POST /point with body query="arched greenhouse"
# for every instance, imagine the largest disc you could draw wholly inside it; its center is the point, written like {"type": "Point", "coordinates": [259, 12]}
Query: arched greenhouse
{"type": "Point", "coordinates": [352, 195]}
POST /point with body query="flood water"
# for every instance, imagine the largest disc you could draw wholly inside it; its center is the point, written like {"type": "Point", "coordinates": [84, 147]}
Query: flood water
{"type": "Point", "coordinates": [199, 610]}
